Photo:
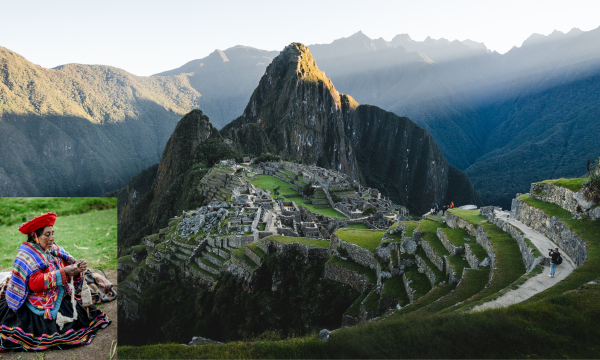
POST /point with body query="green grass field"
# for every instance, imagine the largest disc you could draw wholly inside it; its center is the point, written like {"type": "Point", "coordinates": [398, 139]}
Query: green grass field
{"type": "Point", "coordinates": [91, 236]}
{"type": "Point", "coordinates": [471, 216]}
{"type": "Point", "coordinates": [572, 184]}
{"type": "Point", "coordinates": [268, 182]}
{"type": "Point", "coordinates": [358, 226]}
{"type": "Point", "coordinates": [289, 240]}
{"type": "Point", "coordinates": [429, 230]}
{"type": "Point", "coordinates": [368, 239]}
{"type": "Point", "coordinates": [331, 212]}
{"type": "Point", "coordinates": [17, 210]}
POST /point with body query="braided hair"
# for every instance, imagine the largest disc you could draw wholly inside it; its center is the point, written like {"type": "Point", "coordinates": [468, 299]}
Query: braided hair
{"type": "Point", "coordinates": [38, 232]}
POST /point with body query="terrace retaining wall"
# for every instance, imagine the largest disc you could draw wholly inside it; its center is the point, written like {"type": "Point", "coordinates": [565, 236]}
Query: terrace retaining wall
{"type": "Point", "coordinates": [453, 249]}
{"type": "Point", "coordinates": [346, 276]}
{"type": "Point", "coordinates": [556, 230]}
{"type": "Point", "coordinates": [455, 221]}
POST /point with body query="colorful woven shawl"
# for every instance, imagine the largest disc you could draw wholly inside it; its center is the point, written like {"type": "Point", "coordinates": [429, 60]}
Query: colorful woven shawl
{"type": "Point", "coordinates": [30, 259]}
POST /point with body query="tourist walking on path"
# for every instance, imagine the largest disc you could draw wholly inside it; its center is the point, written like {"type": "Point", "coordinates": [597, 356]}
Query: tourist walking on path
{"type": "Point", "coordinates": [556, 260]}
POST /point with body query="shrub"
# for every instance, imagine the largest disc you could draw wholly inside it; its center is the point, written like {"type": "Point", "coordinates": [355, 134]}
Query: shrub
{"type": "Point", "coordinates": [370, 210]}
{"type": "Point", "coordinates": [591, 188]}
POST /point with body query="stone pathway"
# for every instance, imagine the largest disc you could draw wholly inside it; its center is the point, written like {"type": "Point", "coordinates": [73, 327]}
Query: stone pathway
{"type": "Point", "coordinates": [537, 283]}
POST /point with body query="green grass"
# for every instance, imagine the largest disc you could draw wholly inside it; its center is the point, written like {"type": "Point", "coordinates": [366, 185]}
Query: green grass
{"type": "Point", "coordinates": [91, 236]}
{"type": "Point", "coordinates": [457, 236]}
{"type": "Point", "coordinates": [429, 230]}
{"type": "Point", "coordinates": [393, 288]}
{"type": "Point", "coordinates": [128, 259]}
{"type": "Point", "coordinates": [471, 216]}
{"type": "Point", "coordinates": [534, 248]}
{"type": "Point", "coordinates": [367, 239]}
{"type": "Point", "coordinates": [255, 249]}
{"type": "Point", "coordinates": [435, 294]}
{"type": "Point", "coordinates": [240, 253]}
{"type": "Point", "coordinates": [574, 185]}
{"type": "Point", "coordinates": [410, 227]}
{"type": "Point", "coordinates": [354, 309]}
{"type": "Point", "coordinates": [473, 283]}
{"type": "Point", "coordinates": [358, 226]}
{"type": "Point", "coordinates": [520, 331]}
{"type": "Point", "coordinates": [269, 182]}
{"type": "Point", "coordinates": [351, 265]}
{"type": "Point", "coordinates": [478, 250]}
{"type": "Point", "coordinates": [329, 211]}
{"type": "Point", "coordinates": [588, 231]}
{"type": "Point", "coordinates": [290, 239]}
{"type": "Point", "coordinates": [439, 275]}
{"type": "Point", "coordinates": [372, 301]}
{"type": "Point", "coordinates": [509, 264]}
{"type": "Point", "coordinates": [457, 263]}
{"type": "Point", "coordinates": [17, 210]}
{"type": "Point", "coordinates": [420, 283]}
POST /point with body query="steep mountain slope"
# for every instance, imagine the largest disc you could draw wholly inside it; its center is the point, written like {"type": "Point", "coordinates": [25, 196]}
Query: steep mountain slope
{"type": "Point", "coordinates": [225, 79]}
{"type": "Point", "coordinates": [158, 193]}
{"type": "Point", "coordinates": [80, 130]}
{"type": "Point", "coordinates": [304, 117]}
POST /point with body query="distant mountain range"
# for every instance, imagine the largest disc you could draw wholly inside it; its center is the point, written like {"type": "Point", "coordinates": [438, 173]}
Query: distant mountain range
{"type": "Point", "coordinates": [507, 120]}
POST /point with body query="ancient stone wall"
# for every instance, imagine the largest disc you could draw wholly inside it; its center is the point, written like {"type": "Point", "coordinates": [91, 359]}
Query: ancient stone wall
{"type": "Point", "coordinates": [409, 290]}
{"type": "Point", "coordinates": [425, 269]}
{"type": "Point", "coordinates": [346, 276]}
{"type": "Point", "coordinates": [483, 240]}
{"type": "Point", "coordinates": [356, 253]}
{"type": "Point", "coordinates": [435, 258]}
{"type": "Point", "coordinates": [457, 222]}
{"type": "Point", "coordinates": [558, 195]}
{"type": "Point", "coordinates": [556, 230]}
{"type": "Point", "coordinates": [453, 249]}
{"type": "Point", "coordinates": [242, 264]}
{"type": "Point", "coordinates": [471, 258]}
{"type": "Point", "coordinates": [453, 277]}
{"type": "Point", "coordinates": [253, 256]}
{"type": "Point", "coordinates": [529, 259]}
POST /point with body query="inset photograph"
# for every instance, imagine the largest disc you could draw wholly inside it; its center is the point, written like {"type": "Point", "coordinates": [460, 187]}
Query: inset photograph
{"type": "Point", "coordinates": [58, 276]}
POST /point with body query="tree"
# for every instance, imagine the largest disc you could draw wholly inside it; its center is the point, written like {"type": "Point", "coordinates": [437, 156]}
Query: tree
{"type": "Point", "coordinates": [308, 189]}
{"type": "Point", "coordinates": [276, 192]}
{"type": "Point", "coordinates": [369, 211]}
{"type": "Point", "coordinates": [591, 188]}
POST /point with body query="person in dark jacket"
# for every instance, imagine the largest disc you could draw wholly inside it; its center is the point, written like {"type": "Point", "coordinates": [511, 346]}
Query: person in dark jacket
{"type": "Point", "coordinates": [554, 254]}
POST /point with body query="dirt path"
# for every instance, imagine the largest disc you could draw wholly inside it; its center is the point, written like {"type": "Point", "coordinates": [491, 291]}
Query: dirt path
{"type": "Point", "coordinates": [537, 283]}
{"type": "Point", "coordinates": [98, 349]}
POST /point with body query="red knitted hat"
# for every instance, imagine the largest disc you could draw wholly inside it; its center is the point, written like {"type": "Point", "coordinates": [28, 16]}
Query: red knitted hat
{"type": "Point", "coordinates": [38, 222]}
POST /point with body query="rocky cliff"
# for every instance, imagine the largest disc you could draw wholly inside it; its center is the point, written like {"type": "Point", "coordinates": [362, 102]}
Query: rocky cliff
{"type": "Point", "coordinates": [297, 112]}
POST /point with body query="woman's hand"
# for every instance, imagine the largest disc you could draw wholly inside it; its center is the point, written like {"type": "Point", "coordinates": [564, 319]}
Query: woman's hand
{"type": "Point", "coordinates": [75, 269]}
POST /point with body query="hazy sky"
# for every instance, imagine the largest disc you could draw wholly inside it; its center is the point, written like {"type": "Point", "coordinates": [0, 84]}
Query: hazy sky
{"type": "Point", "coordinates": [146, 37]}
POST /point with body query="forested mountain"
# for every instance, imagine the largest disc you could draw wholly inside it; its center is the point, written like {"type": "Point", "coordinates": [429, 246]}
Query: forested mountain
{"type": "Point", "coordinates": [82, 130]}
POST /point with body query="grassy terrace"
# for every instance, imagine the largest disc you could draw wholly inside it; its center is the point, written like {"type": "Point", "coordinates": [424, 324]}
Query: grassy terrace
{"type": "Point", "coordinates": [199, 269]}
{"type": "Point", "coordinates": [473, 283]}
{"type": "Point", "coordinates": [530, 330]}
{"type": "Point", "coordinates": [354, 309]}
{"type": "Point", "coordinates": [420, 283]}
{"type": "Point", "coordinates": [368, 239]}
{"type": "Point", "coordinates": [358, 226]}
{"type": "Point", "coordinates": [574, 185]}
{"type": "Point", "coordinates": [128, 259]}
{"type": "Point", "coordinates": [255, 249]}
{"type": "Point", "coordinates": [289, 240]}
{"type": "Point", "coordinates": [439, 275]}
{"type": "Point", "coordinates": [429, 230]}
{"type": "Point", "coordinates": [471, 216]}
{"type": "Point", "coordinates": [393, 288]}
{"type": "Point", "coordinates": [478, 250]}
{"type": "Point", "coordinates": [587, 230]}
{"type": "Point", "coordinates": [351, 265]}
{"type": "Point", "coordinates": [508, 267]}
{"type": "Point", "coordinates": [240, 253]}
{"type": "Point", "coordinates": [457, 236]}
{"type": "Point", "coordinates": [268, 182]}
{"type": "Point", "coordinates": [372, 301]}
{"type": "Point", "coordinates": [457, 263]}
{"type": "Point", "coordinates": [410, 227]}
{"type": "Point", "coordinates": [328, 211]}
